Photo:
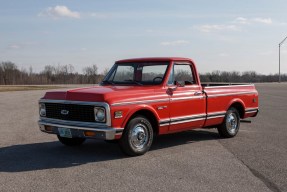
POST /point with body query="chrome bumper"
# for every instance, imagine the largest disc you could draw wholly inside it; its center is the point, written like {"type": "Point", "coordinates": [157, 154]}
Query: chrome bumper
{"type": "Point", "coordinates": [78, 130]}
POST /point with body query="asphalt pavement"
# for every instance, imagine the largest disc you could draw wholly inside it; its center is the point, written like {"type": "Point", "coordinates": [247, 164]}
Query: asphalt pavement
{"type": "Point", "coordinates": [198, 160]}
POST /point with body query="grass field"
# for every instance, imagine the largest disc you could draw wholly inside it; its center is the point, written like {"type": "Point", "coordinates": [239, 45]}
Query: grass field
{"type": "Point", "coordinates": [6, 88]}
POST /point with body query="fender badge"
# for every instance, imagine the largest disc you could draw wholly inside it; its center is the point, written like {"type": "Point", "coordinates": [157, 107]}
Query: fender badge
{"type": "Point", "coordinates": [161, 107]}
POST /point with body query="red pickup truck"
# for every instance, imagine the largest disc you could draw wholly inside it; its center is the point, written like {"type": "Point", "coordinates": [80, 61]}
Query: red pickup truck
{"type": "Point", "coordinates": [141, 98]}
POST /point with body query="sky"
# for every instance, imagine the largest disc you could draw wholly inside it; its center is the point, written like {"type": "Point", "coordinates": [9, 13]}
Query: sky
{"type": "Point", "coordinates": [226, 35]}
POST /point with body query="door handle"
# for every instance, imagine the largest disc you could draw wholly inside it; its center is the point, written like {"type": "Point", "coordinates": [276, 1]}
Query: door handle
{"type": "Point", "coordinates": [197, 93]}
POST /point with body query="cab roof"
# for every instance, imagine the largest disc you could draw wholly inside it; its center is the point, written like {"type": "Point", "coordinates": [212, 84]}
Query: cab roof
{"type": "Point", "coordinates": [146, 59]}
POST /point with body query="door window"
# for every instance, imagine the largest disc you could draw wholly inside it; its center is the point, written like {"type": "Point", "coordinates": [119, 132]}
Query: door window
{"type": "Point", "coordinates": [181, 72]}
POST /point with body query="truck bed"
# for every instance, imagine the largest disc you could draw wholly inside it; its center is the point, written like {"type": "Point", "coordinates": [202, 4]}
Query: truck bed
{"type": "Point", "coordinates": [219, 96]}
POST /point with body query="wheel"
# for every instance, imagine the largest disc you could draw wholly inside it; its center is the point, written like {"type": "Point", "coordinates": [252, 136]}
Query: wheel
{"type": "Point", "coordinates": [137, 136]}
{"type": "Point", "coordinates": [230, 126]}
{"type": "Point", "coordinates": [71, 141]}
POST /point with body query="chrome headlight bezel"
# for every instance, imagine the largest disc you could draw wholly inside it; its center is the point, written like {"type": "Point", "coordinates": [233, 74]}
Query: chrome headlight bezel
{"type": "Point", "coordinates": [42, 109]}
{"type": "Point", "coordinates": [100, 114]}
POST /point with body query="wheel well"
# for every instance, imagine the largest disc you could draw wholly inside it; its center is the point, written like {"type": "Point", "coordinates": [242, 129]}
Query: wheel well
{"type": "Point", "coordinates": [150, 116]}
{"type": "Point", "coordinates": [239, 108]}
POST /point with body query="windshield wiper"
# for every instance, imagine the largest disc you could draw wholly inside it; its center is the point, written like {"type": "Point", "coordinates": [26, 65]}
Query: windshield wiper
{"type": "Point", "coordinates": [108, 82]}
{"type": "Point", "coordinates": [133, 81]}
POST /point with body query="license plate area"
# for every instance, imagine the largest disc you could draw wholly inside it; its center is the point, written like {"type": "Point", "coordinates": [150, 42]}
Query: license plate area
{"type": "Point", "coordinates": [65, 132]}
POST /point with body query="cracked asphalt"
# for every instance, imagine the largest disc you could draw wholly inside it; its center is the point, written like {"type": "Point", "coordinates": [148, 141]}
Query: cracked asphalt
{"type": "Point", "coordinates": [199, 160]}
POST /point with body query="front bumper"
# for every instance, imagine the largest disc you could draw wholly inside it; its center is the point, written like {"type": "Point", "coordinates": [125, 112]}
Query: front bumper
{"type": "Point", "coordinates": [80, 129]}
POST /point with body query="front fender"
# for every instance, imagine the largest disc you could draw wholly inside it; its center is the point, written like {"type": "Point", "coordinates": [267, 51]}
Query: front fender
{"type": "Point", "coordinates": [139, 108]}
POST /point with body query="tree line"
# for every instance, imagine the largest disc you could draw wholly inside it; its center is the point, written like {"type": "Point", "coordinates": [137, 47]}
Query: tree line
{"type": "Point", "coordinates": [240, 77]}
{"type": "Point", "coordinates": [10, 74]}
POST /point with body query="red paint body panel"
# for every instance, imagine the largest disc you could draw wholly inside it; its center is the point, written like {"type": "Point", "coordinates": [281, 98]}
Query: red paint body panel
{"type": "Point", "coordinates": [188, 107]}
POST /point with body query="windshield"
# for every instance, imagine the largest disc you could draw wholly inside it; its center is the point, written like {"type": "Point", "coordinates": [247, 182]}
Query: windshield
{"type": "Point", "coordinates": [142, 73]}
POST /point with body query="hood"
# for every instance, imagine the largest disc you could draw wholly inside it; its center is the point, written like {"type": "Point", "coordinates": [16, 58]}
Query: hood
{"type": "Point", "coordinates": [107, 94]}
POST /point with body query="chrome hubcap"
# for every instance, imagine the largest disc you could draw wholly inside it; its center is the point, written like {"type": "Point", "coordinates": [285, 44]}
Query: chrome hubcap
{"type": "Point", "coordinates": [231, 123]}
{"type": "Point", "coordinates": [139, 136]}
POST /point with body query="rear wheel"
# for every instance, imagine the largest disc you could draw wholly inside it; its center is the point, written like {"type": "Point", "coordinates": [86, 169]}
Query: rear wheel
{"type": "Point", "coordinates": [137, 137]}
{"type": "Point", "coordinates": [230, 126]}
{"type": "Point", "coordinates": [71, 141]}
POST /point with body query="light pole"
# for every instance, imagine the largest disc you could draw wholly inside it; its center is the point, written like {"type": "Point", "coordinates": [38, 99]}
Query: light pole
{"type": "Point", "coordinates": [280, 58]}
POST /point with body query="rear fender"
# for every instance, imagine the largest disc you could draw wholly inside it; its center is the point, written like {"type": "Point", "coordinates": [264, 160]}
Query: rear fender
{"type": "Point", "coordinates": [237, 100]}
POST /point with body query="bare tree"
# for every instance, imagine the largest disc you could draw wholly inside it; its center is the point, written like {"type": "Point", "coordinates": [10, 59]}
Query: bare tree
{"type": "Point", "coordinates": [9, 72]}
{"type": "Point", "coordinates": [49, 73]}
{"type": "Point", "coordinates": [91, 74]}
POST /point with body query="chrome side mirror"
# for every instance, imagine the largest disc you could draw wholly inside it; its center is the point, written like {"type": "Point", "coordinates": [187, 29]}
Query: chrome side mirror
{"type": "Point", "coordinates": [179, 83]}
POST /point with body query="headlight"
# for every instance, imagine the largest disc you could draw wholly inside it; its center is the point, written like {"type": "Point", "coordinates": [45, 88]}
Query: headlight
{"type": "Point", "coordinates": [100, 114]}
{"type": "Point", "coordinates": [42, 109]}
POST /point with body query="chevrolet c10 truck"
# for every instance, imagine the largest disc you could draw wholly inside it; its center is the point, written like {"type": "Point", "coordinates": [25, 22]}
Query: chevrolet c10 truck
{"type": "Point", "coordinates": [141, 98]}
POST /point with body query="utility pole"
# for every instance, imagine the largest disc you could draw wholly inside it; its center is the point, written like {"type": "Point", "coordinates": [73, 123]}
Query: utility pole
{"type": "Point", "coordinates": [279, 80]}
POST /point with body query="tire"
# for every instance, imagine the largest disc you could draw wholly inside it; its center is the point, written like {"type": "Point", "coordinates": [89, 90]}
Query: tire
{"type": "Point", "coordinates": [230, 125]}
{"type": "Point", "coordinates": [137, 137]}
{"type": "Point", "coordinates": [71, 141]}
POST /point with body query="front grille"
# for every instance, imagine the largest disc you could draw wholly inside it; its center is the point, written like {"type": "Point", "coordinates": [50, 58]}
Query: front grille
{"type": "Point", "coordinates": [83, 113]}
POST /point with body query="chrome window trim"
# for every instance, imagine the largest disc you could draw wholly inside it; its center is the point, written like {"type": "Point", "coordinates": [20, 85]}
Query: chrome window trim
{"type": "Point", "coordinates": [96, 104]}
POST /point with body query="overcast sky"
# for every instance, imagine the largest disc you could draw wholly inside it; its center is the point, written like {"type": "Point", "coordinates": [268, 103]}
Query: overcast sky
{"type": "Point", "coordinates": [219, 35]}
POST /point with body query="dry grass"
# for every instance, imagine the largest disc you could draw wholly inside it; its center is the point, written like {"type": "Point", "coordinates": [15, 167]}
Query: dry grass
{"type": "Point", "coordinates": [5, 88]}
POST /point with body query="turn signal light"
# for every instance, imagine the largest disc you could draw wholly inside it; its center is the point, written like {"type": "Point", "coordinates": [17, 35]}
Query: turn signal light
{"type": "Point", "coordinates": [90, 133]}
{"type": "Point", "coordinates": [48, 128]}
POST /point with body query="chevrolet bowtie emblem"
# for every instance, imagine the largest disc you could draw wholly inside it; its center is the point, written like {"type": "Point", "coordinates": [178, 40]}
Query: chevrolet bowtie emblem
{"type": "Point", "coordinates": [64, 112]}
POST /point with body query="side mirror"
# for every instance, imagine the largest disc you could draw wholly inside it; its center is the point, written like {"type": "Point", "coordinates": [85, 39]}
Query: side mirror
{"type": "Point", "coordinates": [177, 84]}
{"type": "Point", "coordinates": [180, 83]}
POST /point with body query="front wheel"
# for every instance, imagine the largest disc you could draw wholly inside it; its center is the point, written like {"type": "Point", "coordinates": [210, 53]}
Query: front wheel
{"type": "Point", "coordinates": [137, 137]}
{"type": "Point", "coordinates": [230, 126]}
{"type": "Point", "coordinates": [71, 141]}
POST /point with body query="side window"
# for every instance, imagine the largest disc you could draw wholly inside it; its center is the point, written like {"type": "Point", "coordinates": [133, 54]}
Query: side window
{"type": "Point", "coordinates": [183, 72]}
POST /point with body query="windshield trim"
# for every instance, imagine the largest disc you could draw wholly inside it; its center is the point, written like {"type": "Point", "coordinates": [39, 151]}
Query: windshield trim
{"type": "Point", "coordinates": [112, 71]}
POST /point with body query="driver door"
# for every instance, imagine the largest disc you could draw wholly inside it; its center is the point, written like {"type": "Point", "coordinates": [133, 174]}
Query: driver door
{"type": "Point", "coordinates": [187, 102]}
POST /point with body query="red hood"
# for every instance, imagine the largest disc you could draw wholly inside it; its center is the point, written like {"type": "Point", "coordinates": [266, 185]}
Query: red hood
{"type": "Point", "coordinates": [109, 94]}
